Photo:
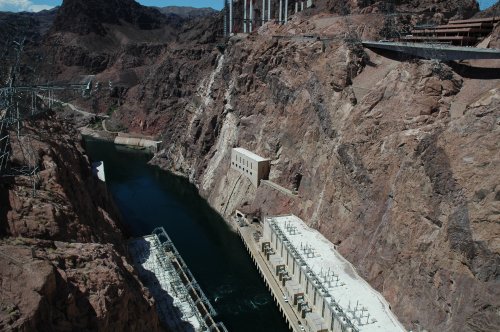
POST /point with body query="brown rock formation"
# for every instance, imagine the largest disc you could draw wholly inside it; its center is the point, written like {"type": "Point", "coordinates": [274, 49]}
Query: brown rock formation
{"type": "Point", "coordinates": [395, 161]}
{"type": "Point", "coordinates": [62, 255]}
{"type": "Point", "coordinates": [405, 188]}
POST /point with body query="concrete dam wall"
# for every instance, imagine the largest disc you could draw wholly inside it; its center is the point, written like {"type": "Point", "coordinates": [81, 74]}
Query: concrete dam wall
{"type": "Point", "coordinates": [137, 142]}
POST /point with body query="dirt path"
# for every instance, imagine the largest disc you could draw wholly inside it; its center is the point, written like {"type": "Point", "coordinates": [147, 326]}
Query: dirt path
{"type": "Point", "coordinates": [74, 108]}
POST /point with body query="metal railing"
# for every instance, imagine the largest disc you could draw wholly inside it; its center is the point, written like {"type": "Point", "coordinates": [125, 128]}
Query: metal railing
{"type": "Point", "coordinates": [168, 246]}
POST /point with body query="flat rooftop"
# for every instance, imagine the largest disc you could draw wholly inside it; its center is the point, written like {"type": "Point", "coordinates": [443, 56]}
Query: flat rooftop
{"type": "Point", "coordinates": [451, 30]}
{"type": "Point", "coordinates": [465, 25]}
{"type": "Point", "coordinates": [250, 154]}
{"type": "Point", "coordinates": [349, 290]}
{"type": "Point", "coordinates": [440, 38]}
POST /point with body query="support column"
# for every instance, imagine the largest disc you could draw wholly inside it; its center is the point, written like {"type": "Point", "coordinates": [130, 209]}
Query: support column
{"type": "Point", "coordinates": [230, 17]}
{"type": "Point", "coordinates": [269, 10]}
{"type": "Point", "coordinates": [281, 12]}
{"type": "Point", "coordinates": [263, 12]}
{"type": "Point", "coordinates": [225, 19]}
{"type": "Point", "coordinates": [251, 16]}
{"type": "Point", "coordinates": [286, 11]}
{"type": "Point", "coordinates": [245, 16]}
{"type": "Point", "coordinates": [296, 7]}
{"type": "Point", "coordinates": [302, 6]}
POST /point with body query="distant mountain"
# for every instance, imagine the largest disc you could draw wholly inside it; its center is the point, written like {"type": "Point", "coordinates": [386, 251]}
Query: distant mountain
{"type": "Point", "coordinates": [86, 16]}
{"type": "Point", "coordinates": [187, 12]}
{"type": "Point", "coordinates": [32, 26]}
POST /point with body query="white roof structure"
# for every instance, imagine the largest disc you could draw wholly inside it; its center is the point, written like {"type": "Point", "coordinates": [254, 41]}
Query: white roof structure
{"type": "Point", "coordinates": [339, 277]}
{"type": "Point", "coordinates": [250, 154]}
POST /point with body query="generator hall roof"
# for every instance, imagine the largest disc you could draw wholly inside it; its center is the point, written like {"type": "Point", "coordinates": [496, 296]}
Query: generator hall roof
{"type": "Point", "coordinates": [337, 277]}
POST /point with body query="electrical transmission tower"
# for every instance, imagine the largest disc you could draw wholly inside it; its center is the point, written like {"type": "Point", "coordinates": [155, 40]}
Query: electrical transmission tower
{"type": "Point", "coordinates": [18, 103]}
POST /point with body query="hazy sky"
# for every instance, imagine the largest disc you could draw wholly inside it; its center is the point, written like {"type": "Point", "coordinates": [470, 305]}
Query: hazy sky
{"type": "Point", "coordinates": [37, 5]}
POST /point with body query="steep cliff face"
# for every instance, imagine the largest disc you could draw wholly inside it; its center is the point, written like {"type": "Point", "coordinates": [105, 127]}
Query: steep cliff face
{"type": "Point", "coordinates": [123, 53]}
{"type": "Point", "coordinates": [395, 160]}
{"type": "Point", "coordinates": [389, 170]}
{"type": "Point", "coordinates": [62, 252]}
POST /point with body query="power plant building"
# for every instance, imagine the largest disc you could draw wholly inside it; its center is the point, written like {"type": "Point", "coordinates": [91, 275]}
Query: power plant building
{"type": "Point", "coordinates": [253, 166]}
{"type": "Point", "coordinates": [322, 287]}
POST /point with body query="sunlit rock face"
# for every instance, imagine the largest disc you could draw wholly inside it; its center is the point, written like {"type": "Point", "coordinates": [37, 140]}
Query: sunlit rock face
{"type": "Point", "coordinates": [63, 255]}
{"type": "Point", "coordinates": [390, 155]}
{"type": "Point", "coordinates": [394, 160]}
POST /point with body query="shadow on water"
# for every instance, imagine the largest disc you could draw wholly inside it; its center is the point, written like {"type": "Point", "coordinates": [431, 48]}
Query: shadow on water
{"type": "Point", "coordinates": [148, 198]}
{"type": "Point", "coordinates": [170, 315]}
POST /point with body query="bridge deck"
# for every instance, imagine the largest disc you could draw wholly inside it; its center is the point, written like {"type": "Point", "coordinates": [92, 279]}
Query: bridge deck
{"type": "Point", "coordinates": [433, 51]}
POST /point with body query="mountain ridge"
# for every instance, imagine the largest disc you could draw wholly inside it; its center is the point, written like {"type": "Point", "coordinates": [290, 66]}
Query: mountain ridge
{"type": "Point", "coordinates": [186, 11]}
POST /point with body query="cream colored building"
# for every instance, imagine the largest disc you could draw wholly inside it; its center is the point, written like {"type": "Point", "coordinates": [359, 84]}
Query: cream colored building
{"type": "Point", "coordinates": [254, 167]}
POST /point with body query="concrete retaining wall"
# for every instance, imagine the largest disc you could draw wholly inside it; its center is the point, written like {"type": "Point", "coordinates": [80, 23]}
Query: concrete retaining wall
{"type": "Point", "coordinates": [138, 142]}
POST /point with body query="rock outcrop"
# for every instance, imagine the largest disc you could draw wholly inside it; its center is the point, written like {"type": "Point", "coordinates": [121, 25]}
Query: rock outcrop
{"type": "Point", "coordinates": [62, 252]}
{"type": "Point", "coordinates": [406, 188]}
{"type": "Point", "coordinates": [394, 160]}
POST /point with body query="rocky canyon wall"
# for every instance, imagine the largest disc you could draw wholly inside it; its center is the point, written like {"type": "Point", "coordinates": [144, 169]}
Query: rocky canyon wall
{"type": "Point", "coordinates": [62, 252]}
{"type": "Point", "coordinates": [395, 160]}
{"type": "Point", "coordinates": [404, 184]}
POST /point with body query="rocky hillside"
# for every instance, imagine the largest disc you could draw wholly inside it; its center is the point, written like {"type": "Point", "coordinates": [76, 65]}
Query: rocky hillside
{"type": "Point", "coordinates": [32, 25]}
{"type": "Point", "coordinates": [394, 161]}
{"type": "Point", "coordinates": [62, 253]}
{"type": "Point", "coordinates": [119, 54]}
{"type": "Point", "coordinates": [187, 12]}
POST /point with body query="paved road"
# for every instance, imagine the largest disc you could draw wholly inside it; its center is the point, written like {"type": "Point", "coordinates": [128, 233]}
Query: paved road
{"type": "Point", "coordinates": [74, 108]}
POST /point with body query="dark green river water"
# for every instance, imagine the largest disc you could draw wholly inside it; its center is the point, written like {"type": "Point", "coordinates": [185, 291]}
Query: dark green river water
{"type": "Point", "coordinates": [149, 198]}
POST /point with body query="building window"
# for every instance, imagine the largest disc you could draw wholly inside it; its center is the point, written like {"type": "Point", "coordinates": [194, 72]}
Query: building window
{"type": "Point", "coordinates": [251, 173]}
